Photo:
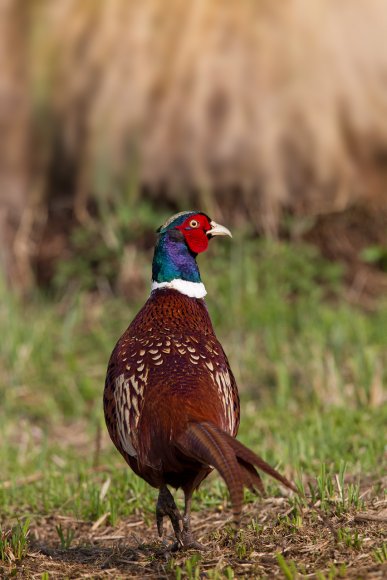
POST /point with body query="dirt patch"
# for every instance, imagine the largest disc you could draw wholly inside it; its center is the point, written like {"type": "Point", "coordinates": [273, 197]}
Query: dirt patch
{"type": "Point", "coordinates": [348, 545]}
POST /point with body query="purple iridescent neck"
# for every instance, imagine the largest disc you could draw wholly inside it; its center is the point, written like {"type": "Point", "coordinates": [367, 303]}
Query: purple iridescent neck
{"type": "Point", "coordinates": [173, 260]}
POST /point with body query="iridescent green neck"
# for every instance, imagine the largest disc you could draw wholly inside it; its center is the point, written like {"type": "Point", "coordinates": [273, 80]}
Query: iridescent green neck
{"type": "Point", "coordinates": [173, 260]}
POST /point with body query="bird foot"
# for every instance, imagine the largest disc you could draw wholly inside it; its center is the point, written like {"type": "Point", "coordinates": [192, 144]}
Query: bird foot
{"type": "Point", "coordinates": [166, 507]}
{"type": "Point", "coordinates": [170, 547]}
{"type": "Point", "coordinates": [184, 539]}
{"type": "Point", "coordinates": [185, 542]}
{"type": "Point", "coordinates": [189, 543]}
{"type": "Point", "coordinates": [187, 539]}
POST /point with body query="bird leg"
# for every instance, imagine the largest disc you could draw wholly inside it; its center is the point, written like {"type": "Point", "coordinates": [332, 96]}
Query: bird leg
{"type": "Point", "coordinates": [166, 507]}
{"type": "Point", "coordinates": [187, 538]}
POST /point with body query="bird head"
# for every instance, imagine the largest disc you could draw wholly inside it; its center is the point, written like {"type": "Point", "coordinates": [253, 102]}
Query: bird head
{"type": "Point", "coordinates": [197, 229]}
{"type": "Point", "coordinates": [181, 238]}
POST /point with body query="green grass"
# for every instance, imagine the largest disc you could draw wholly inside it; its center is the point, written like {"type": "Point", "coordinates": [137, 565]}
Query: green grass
{"type": "Point", "coordinates": [13, 542]}
{"type": "Point", "coordinates": [380, 554]}
{"type": "Point", "coordinates": [311, 370]}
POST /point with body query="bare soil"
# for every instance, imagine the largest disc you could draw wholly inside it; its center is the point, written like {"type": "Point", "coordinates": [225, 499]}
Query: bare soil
{"type": "Point", "coordinates": [132, 549]}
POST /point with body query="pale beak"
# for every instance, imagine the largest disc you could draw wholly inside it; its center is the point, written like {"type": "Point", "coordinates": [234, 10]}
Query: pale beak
{"type": "Point", "coordinates": [218, 230]}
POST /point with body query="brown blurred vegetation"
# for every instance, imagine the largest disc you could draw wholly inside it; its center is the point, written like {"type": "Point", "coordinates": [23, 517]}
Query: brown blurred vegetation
{"type": "Point", "coordinates": [249, 110]}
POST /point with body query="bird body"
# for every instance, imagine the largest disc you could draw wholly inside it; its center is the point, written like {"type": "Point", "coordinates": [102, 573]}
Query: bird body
{"type": "Point", "coordinates": [171, 401]}
{"type": "Point", "coordinates": [165, 369]}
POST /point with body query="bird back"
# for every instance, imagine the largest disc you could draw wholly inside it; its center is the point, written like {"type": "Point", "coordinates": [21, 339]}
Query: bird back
{"type": "Point", "coordinates": [167, 370]}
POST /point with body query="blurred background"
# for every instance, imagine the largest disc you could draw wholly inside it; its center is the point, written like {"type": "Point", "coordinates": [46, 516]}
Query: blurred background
{"type": "Point", "coordinates": [270, 116]}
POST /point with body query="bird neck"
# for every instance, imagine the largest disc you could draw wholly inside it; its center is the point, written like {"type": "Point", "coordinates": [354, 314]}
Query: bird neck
{"type": "Point", "coordinates": [174, 266]}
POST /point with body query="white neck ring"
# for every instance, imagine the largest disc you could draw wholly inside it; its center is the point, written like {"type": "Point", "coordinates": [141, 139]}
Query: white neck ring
{"type": "Point", "coordinates": [191, 289]}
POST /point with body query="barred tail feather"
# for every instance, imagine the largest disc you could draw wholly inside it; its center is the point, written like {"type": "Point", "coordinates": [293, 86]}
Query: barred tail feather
{"type": "Point", "coordinates": [205, 444]}
{"type": "Point", "coordinates": [252, 479]}
{"type": "Point", "coordinates": [236, 463]}
{"type": "Point", "coordinates": [245, 454]}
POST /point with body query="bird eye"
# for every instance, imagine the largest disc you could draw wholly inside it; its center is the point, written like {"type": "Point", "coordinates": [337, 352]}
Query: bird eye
{"type": "Point", "coordinates": [193, 223]}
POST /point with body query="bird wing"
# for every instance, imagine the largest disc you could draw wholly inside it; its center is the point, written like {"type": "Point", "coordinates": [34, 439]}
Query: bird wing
{"type": "Point", "coordinates": [126, 379]}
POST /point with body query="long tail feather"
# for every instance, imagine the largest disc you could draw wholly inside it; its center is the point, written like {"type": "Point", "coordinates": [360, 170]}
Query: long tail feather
{"type": "Point", "coordinates": [202, 442]}
{"type": "Point", "coordinates": [244, 453]}
{"type": "Point", "coordinates": [236, 463]}
{"type": "Point", "coordinates": [252, 479]}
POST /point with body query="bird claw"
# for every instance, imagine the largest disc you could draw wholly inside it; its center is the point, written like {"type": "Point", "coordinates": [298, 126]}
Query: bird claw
{"type": "Point", "coordinates": [181, 526]}
{"type": "Point", "coordinates": [160, 521]}
{"type": "Point", "coordinates": [189, 543]}
{"type": "Point", "coordinates": [185, 542]}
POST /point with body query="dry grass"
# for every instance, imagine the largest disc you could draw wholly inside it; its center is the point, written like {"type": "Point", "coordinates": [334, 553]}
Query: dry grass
{"type": "Point", "coordinates": [240, 109]}
{"type": "Point", "coordinates": [15, 219]}
{"type": "Point", "coordinates": [309, 546]}
{"type": "Point", "coordinates": [283, 101]}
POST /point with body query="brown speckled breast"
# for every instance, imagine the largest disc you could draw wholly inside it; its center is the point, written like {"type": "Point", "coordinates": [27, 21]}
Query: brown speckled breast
{"type": "Point", "coordinates": [167, 369]}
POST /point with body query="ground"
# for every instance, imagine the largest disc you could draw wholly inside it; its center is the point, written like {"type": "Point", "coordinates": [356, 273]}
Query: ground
{"type": "Point", "coordinates": [311, 368]}
{"type": "Point", "coordinates": [271, 543]}
{"type": "Point", "coordinates": [91, 518]}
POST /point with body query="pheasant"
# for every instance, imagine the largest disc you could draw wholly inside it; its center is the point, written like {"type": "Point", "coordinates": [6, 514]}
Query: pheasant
{"type": "Point", "coordinates": [171, 401]}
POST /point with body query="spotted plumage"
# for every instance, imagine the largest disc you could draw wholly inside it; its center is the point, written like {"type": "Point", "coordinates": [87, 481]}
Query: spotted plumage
{"type": "Point", "coordinates": [171, 401]}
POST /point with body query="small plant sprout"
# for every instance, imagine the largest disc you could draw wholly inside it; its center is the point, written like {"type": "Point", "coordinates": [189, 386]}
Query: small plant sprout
{"type": "Point", "coordinates": [255, 526]}
{"type": "Point", "coordinates": [380, 554]}
{"type": "Point", "coordinates": [14, 542]}
{"type": "Point", "coordinates": [289, 569]}
{"type": "Point", "coordinates": [191, 569]}
{"type": "Point", "coordinates": [216, 574]}
{"type": "Point", "coordinates": [340, 483]}
{"type": "Point", "coordinates": [349, 538]}
{"type": "Point", "coordinates": [65, 536]}
{"type": "Point", "coordinates": [324, 487]}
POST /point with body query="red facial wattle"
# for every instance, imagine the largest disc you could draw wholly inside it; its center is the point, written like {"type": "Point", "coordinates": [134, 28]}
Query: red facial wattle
{"type": "Point", "coordinates": [195, 235]}
{"type": "Point", "coordinates": [197, 241]}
